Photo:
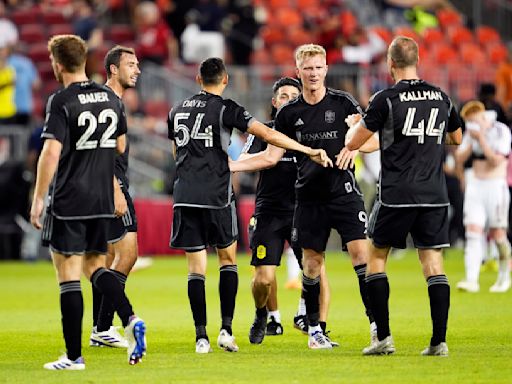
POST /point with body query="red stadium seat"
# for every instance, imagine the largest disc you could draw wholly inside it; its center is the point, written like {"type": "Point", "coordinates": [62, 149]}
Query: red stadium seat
{"type": "Point", "coordinates": [487, 35]}
{"type": "Point", "coordinates": [303, 4]}
{"type": "Point", "coordinates": [449, 18]}
{"type": "Point", "coordinates": [460, 35]}
{"type": "Point", "coordinates": [277, 4]}
{"type": "Point", "coordinates": [282, 54]}
{"type": "Point", "coordinates": [472, 54]}
{"type": "Point", "coordinates": [433, 36]}
{"type": "Point", "coordinates": [271, 35]}
{"type": "Point", "coordinates": [45, 71]}
{"type": "Point", "coordinates": [407, 32]}
{"type": "Point", "coordinates": [120, 33]}
{"type": "Point", "coordinates": [261, 57]}
{"type": "Point", "coordinates": [60, 29]}
{"type": "Point", "coordinates": [348, 23]}
{"type": "Point", "coordinates": [497, 53]}
{"type": "Point", "coordinates": [25, 16]}
{"type": "Point", "coordinates": [444, 54]}
{"type": "Point", "coordinates": [53, 17]}
{"type": "Point", "coordinates": [38, 52]}
{"type": "Point", "coordinates": [157, 108]}
{"type": "Point", "coordinates": [32, 33]}
{"type": "Point", "coordinates": [289, 17]}
{"type": "Point", "coordinates": [298, 36]}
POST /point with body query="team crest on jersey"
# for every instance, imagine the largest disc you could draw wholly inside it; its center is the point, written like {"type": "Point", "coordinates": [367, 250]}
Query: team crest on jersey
{"type": "Point", "coordinates": [295, 234]}
{"type": "Point", "coordinates": [261, 252]}
{"type": "Point", "coordinates": [330, 116]}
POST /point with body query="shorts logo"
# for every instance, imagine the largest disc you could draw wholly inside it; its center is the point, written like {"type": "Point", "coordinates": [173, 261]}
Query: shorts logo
{"type": "Point", "coordinates": [252, 222]}
{"type": "Point", "coordinates": [261, 252]}
{"type": "Point", "coordinates": [363, 218]}
{"type": "Point", "coordinates": [295, 234]}
{"type": "Point", "coordinates": [348, 187]}
{"type": "Point", "coordinates": [330, 116]}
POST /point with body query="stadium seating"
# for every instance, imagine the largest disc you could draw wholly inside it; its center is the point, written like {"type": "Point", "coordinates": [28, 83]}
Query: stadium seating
{"type": "Point", "coordinates": [33, 33]}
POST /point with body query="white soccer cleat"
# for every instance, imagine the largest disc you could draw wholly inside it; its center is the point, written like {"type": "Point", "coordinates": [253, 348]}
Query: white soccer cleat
{"type": "Point", "coordinates": [373, 333]}
{"type": "Point", "coordinates": [227, 341]}
{"type": "Point", "coordinates": [63, 363]}
{"type": "Point", "coordinates": [203, 346]}
{"type": "Point", "coordinates": [317, 340]}
{"type": "Point", "coordinates": [383, 347]}
{"type": "Point", "coordinates": [500, 286]}
{"type": "Point", "coordinates": [468, 286]}
{"type": "Point", "coordinates": [135, 333]}
{"type": "Point", "coordinates": [440, 349]}
{"type": "Point", "coordinates": [111, 338]}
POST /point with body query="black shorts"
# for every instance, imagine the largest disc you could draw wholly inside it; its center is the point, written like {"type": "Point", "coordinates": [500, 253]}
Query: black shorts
{"type": "Point", "coordinates": [389, 226]}
{"type": "Point", "coordinates": [267, 234]}
{"type": "Point", "coordinates": [312, 222]}
{"type": "Point", "coordinates": [126, 223]}
{"type": "Point", "coordinates": [76, 237]}
{"type": "Point", "coordinates": [194, 229]}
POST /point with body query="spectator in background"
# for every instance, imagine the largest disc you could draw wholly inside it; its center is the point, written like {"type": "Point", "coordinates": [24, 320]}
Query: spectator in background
{"type": "Point", "coordinates": [27, 80]}
{"type": "Point", "coordinates": [504, 83]}
{"type": "Point", "coordinates": [155, 41]}
{"type": "Point", "coordinates": [241, 28]}
{"type": "Point", "coordinates": [173, 12]}
{"type": "Point", "coordinates": [7, 86]}
{"type": "Point", "coordinates": [198, 44]}
{"type": "Point", "coordinates": [487, 95]}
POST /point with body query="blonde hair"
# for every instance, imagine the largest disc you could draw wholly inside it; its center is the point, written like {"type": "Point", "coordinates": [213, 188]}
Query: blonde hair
{"type": "Point", "coordinates": [306, 51]}
{"type": "Point", "coordinates": [403, 51]}
{"type": "Point", "coordinates": [471, 107]}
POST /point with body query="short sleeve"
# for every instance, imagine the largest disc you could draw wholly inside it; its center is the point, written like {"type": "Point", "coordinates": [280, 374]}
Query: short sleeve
{"type": "Point", "coordinates": [122, 126]}
{"type": "Point", "coordinates": [454, 121]}
{"type": "Point", "coordinates": [55, 124]}
{"type": "Point", "coordinates": [170, 126]}
{"type": "Point", "coordinates": [376, 113]}
{"type": "Point", "coordinates": [281, 124]}
{"type": "Point", "coordinates": [235, 116]}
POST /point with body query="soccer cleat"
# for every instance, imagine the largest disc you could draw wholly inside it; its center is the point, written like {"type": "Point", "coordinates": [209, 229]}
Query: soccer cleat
{"type": "Point", "coordinates": [300, 322]}
{"type": "Point", "coordinates": [203, 346]}
{"type": "Point", "coordinates": [440, 349]}
{"type": "Point", "coordinates": [373, 333]}
{"type": "Point", "coordinates": [110, 338]}
{"type": "Point", "coordinates": [135, 333]}
{"type": "Point", "coordinates": [333, 343]}
{"type": "Point", "coordinates": [227, 341]}
{"type": "Point", "coordinates": [468, 286]}
{"type": "Point", "coordinates": [274, 328]}
{"type": "Point", "coordinates": [382, 347]}
{"type": "Point", "coordinates": [257, 331]}
{"type": "Point", "coordinates": [317, 340]}
{"type": "Point", "coordinates": [500, 286]}
{"type": "Point", "coordinates": [63, 363]}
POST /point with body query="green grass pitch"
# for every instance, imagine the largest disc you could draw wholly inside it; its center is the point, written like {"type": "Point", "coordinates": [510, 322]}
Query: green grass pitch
{"type": "Point", "coordinates": [479, 331]}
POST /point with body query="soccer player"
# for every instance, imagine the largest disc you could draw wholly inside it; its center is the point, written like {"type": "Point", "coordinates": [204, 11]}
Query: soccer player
{"type": "Point", "coordinates": [204, 208]}
{"type": "Point", "coordinates": [271, 226]}
{"type": "Point", "coordinates": [122, 68]}
{"type": "Point", "coordinates": [326, 198]}
{"type": "Point", "coordinates": [487, 197]}
{"type": "Point", "coordinates": [414, 119]}
{"type": "Point", "coordinates": [84, 125]}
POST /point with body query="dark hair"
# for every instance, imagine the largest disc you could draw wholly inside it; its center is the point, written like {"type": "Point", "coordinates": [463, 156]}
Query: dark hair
{"type": "Point", "coordinates": [68, 50]}
{"type": "Point", "coordinates": [283, 81]}
{"type": "Point", "coordinates": [403, 51]}
{"type": "Point", "coordinates": [487, 90]}
{"type": "Point", "coordinates": [113, 57]}
{"type": "Point", "coordinates": [212, 70]}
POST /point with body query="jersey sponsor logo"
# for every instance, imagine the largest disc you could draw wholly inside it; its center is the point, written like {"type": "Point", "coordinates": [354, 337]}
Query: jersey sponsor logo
{"type": "Point", "coordinates": [261, 252]}
{"type": "Point", "coordinates": [348, 187]}
{"type": "Point", "coordinates": [194, 104]}
{"type": "Point", "coordinates": [330, 117]}
{"type": "Point", "coordinates": [299, 122]}
{"type": "Point", "coordinates": [325, 135]}
{"type": "Point", "coordinates": [420, 95]}
{"type": "Point", "coordinates": [96, 97]}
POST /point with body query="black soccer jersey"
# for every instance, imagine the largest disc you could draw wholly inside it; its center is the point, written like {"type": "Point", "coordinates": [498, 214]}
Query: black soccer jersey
{"type": "Point", "coordinates": [275, 193]}
{"type": "Point", "coordinates": [321, 125]}
{"type": "Point", "coordinates": [412, 117]}
{"type": "Point", "coordinates": [86, 118]}
{"type": "Point", "coordinates": [121, 166]}
{"type": "Point", "coordinates": [201, 127]}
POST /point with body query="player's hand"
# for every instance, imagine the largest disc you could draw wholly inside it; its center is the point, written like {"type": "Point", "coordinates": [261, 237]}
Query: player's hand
{"type": "Point", "coordinates": [353, 119]}
{"type": "Point", "coordinates": [232, 164]}
{"type": "Point", "coordinates": [36, 211]}
{"type": "Point", "coordinates": [319, 156]}
{"type": "Point", "coordinates": [120, 204]}
{"type": "Point", "coordinates": [345, 159]}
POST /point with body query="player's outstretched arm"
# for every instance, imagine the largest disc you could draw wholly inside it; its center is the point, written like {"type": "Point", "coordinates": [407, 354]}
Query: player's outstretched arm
{"type": "Point", "coordinates": [46, 168]}
{"type": "Point", "coordinates": [454, 138]}
{"type": "Point", "coordinates": [279, 140]}
{"type": "Point", "coordinates": [257, 161]}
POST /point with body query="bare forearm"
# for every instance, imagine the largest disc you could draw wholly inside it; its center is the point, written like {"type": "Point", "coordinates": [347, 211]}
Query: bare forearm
{"type": "Point", "coordinates": [46, 168]}
{"type": "Point", "coordinates": [371, 145]}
